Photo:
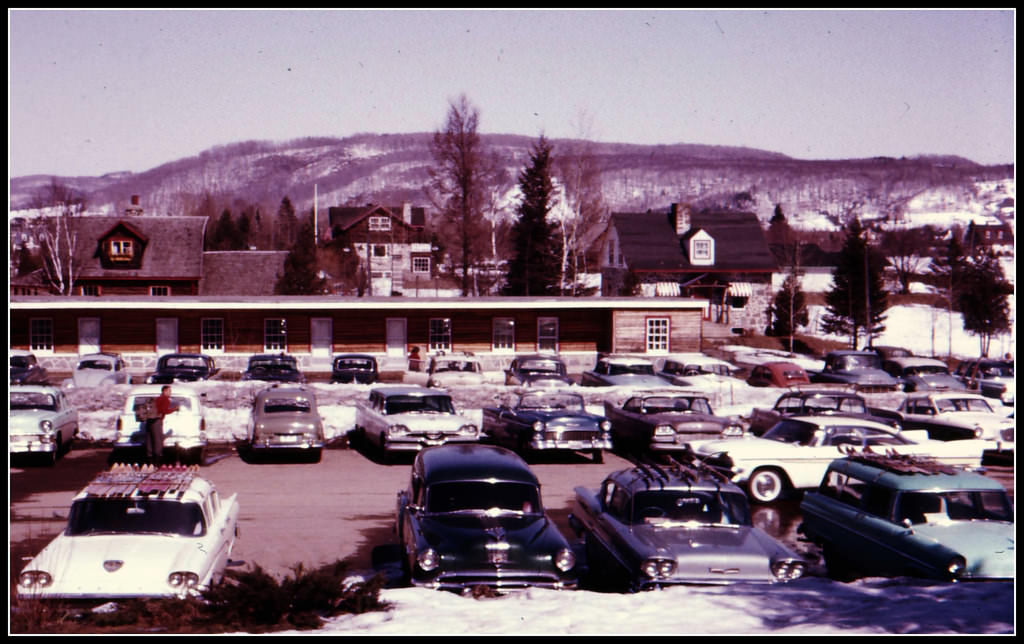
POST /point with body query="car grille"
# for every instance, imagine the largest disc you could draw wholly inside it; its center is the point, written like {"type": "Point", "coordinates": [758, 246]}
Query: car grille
{"type": "Point", "coordinates": [500, 579]}
{"type": "Point", "coordinates": [877, 389]}
{"type": "Point", "coordinates": [577, 435]}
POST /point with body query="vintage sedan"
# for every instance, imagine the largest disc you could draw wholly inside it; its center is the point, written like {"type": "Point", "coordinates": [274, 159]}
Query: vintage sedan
{"type": "Point", "coordinates": [472, 516]}
{"type": "Point", "coordinates": [285, 418]}
{"type": "Point", "coordinates": [273, 367]}
{"type": "Point", "coordinates": [875, 515]}
{"type": "Point", "coordinates": [26, 370]}
{"type": "Point", "coordinates": [409, 418]}
{"type": "Point", "coordinates": [949, 416]}
{"type": "Point", "coordinates": [682, 369]}
{"type": "Point", "coordinates": [623, 371]}
{"type": "Point", "coordinates": [676, 523]}
{"type": "Point", "coordinates": [990, 378]}
{"type": "Point", "coordinates": [457, 369]}
{"type": "Point", "coordinates": [813, 400]}
{"type": "Point", "coordinates": [777, 374]}
{"type": "Point", "coordinates": [99, 370]}
{"type": "Point", "coordinates": [922, 374]}
{"type": "Point", "coordinates": [795, 453]}
{"type": "Point", "coordinates": [863, 369]}
{"type": "Point", "coordinates": [184, 429]}
{"type": "Point", "coordinates": [358, 368]}
{"type": "Point", "coordinates": [40, 420]}
{"type": "Point", "coordinates": [182, 367]}
{"type": "Point", "coordinates": [666, 421]}
{"type": "Point", "coordinates": [547, 421]}
{"type": "Point", "coordinates": [539, 370]}
{"type": "Point", "coordinates": [137, 533]}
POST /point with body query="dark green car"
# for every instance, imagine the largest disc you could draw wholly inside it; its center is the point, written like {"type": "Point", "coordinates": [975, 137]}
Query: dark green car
{"type": "Point", "coordinates": [472, 516]}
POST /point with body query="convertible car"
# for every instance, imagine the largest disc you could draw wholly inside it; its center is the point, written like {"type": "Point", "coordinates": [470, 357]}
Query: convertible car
{"type": "Point", "coordinates": [666, 421]}
{"type": "Point", "coordinates": [676, 523]}
{"type": "Point", "coordinates": [472, 516]}
{"type": "Point", "coordinates": [548, 421]}
{"type": "Point", "coordinates": [795, 453]}
{"type": "Point", "coordinates": [137, 532]}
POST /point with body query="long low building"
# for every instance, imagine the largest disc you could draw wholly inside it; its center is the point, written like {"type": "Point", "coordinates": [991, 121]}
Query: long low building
{"type": "Point", "coordinates": [313, 328]}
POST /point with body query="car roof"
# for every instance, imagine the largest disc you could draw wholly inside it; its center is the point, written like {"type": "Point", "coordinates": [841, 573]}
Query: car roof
{"type": "Point", "coordinates": [942, 395]}
{"type": "Point", "coordinates": [916, 361]}
{"type": "Point", "coordinates": [93, 356]}
{"type": "Point", "coordinates": [778, 364]}
{"type": "Point", "coordinates": [673, 475]}
{"type": "Point", "coordinates": [844, 421]}
{"type": "Point", "coordinates": [540, 356]}
{"type": "Point", "coordinates": [408, 390]}
{"type": "Point", "coordinates": [851, 352]}
{"type": "Point", "coordinates": [288, 389]}
{"type": "Point", "coordinates": [19, 352]}
{"type": "Point", "coordinates": [35, 388]}
{"type": "Point", "coordinates": [124, 481]}
{"type": "Point", "coordinates": [472, 462]}
{"type": "Point", "coordinates": [650, 393]}
{"type": "Point", "coordinates": [361, 356]}
{"type": "Point", "coordinates": [912, 474]}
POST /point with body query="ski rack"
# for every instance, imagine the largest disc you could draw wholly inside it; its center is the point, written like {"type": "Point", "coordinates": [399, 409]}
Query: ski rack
{"type": "Point", "coordinates": [123, 480]}
{"type": "Point", "coordinates": [891, 461]}
{"type": "Point", "coordinates": [685, 466]}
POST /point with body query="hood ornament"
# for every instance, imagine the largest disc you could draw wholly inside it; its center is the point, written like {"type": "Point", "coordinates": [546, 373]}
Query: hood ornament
{"type": "Point", "coordinates": [112, 565]}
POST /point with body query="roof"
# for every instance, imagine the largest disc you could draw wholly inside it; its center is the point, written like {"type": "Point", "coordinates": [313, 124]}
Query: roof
{"type": "Point", "coordinates": [173, 246]}
{"type": "Point", "coordinates": [345, 217]}
{"type": "Point", "coordinates": [913, 473]}
{"type": "Point", "coordinates": [917, 362]}
{"type": "Point", "coordinates": [841, 421]}
{"type": "Point", "coordinates": [472, 462]}
{"type": "Point", "coordinates": [409, 390]}
{"type": "Point", "coordinates": [241, 272]}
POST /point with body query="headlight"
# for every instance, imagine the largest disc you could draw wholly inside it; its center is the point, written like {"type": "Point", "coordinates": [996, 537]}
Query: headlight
{"type": "Point", "coordinates": [606, 425]}
{"type": "Point", "coordinates": [658, 568]}
{"type": "Point", "coordinates": [978, 431]}
{"type": "Point", "coordinates": [788, 569]}
{"type": "Point", "coordinates": [428, 559]}
{"type": "Point", "coordinates": [956, 566]}
{"type": "Point", "coordinates": [565, 560]}
{"type": "Point", "coordinates": [733, 430]}
{"type": "Point", "coordinates": [35, 579]}
{"type": "Point", "coordinates": [396, 430]}
{"type": "Point", "coordinates": [46, 426]}
{"type": "Point", "coordinates": [664, 432]}
{"type": "Point", "coordinates": [538, 426]}
{"type": "Point", "coordinates": [468, 429]}
{"type": "Point", "coordinates": [182, 579]}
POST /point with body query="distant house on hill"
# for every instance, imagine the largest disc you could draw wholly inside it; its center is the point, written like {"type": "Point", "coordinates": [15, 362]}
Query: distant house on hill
{"type": "Point", "coordinates": [719, 256]}
{"type": "Point", "coordinates": [998, 237]}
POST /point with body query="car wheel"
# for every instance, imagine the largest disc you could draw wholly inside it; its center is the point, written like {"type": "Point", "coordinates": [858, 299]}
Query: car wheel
{"type": "Point", "coordinates": [836, 566]}
{"type": "Point", "coordinates": [766, 485]}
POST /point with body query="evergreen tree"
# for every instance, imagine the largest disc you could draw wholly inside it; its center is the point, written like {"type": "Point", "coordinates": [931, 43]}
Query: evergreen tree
{"type": "Point", "coordinates": [244, 228]}
{"type": "Point", "coordinates": [983, 297]}
{"type": "Point", "coordinates": [301, 273]}
{"type": "Point", "coordinates": [535, 267]}
{"type": "Point", "coordinates": [287, 223]}
{"type": "Point", "coordinates": [779, 231]}
{"type": "Point", "coordinates": [858, 300]}
{"type": "Point", "coordinates": [789, 310]}
{"type": "Point", "coordinates": [225, 234]}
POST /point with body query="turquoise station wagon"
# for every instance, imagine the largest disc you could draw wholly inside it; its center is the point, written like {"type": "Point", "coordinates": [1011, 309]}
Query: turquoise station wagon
{"type": "Point", "coordinates": [878, 515]}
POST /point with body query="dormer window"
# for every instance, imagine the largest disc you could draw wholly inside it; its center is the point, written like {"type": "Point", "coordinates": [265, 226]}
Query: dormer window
{"type": "Point", "coordinates": [121, 250]}
{"type": "Point", "coordinates": [702, 249]}
{"type": "Point", "coordinates": [380, 223]}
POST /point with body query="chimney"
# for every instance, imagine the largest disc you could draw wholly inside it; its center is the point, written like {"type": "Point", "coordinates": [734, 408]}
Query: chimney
{"type": "Point", "coordinates": [134, 209]}
{"type": "Point", "coordinates": [407, 213]}
{"type": "Point", "coordinates": [681, 217]}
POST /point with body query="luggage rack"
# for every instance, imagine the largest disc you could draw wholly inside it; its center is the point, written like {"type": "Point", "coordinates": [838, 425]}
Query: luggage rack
{"type": "Point", "coordinates": [685, 466]}
{"type": "Point", "coordinates": [901, 463]}
{"type": "Point", "coordinates": [124, 480]}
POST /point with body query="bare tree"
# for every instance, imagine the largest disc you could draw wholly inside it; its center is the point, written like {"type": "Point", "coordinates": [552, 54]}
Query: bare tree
{"type": "Point", "coordinates": [58, 234]}
{"type": "Point", "coordinates": [459, 182]}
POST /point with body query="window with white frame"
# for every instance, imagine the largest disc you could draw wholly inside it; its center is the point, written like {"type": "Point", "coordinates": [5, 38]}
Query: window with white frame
{"type": "Point", "coordinates": [90, 289]}
{"type": "Point", "coordinates": [440, 334]}
{"type": "Point", "coordinates": [547, 334]}
{"type": "Point", "coordinates": [503, 334]}
{"type": "Point", "coordinates": [212, 335]}
{"type": "Point", "coordinates": [40, 334]}
{"type": "Point", "coordinates": [275, 334]}
{"type": "Point", "coordinates": [420, 264]}
{"type": "Point", "coordinates": [159, 291]}
{"type": "Point", "coordinates": [121, 249]}
{"type": "Point", "coordinates": [657, 335]}
{"type": "Point", "coordinates": [380, 223]}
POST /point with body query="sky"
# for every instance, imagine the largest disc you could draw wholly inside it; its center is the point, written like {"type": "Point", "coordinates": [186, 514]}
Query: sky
{"type": "Point", "coordinates": [92, 92]}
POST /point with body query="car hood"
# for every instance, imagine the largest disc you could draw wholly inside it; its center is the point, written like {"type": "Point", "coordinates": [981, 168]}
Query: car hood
{"type": "Point", "coordinates": [636, 380]}
{"type": "Point", "coordinates": [714, 554]}
{"type": "Point", "coordinates": [26, 421]}
{"type": "Point", "coordinates": [686, 421]}
{"type": "Point", "coordinates": [463, 539]}
{"type": "Point", "coordinates": [936, 381]}
{"type": "Point", "coordinates": [988, 546]}
{"type": "Point", "coordinates": [864, 376]}
{"type": "Point", "coordinates": [91, 377]}
{"type": "Point", "coordinates": [458, 377]}
{"type": "Point", "coordinates": [423, 421]}
{"type": "Point", "coordinates": [747, 445]}
{"type": "Point", "coordinates": [560, 417]}
{"type": "Point", "coordinates": [980, 418]}
{"type": "Point", "coordinates": [80, 565]}
{"type": "Point", "coordinates": [541, 380]}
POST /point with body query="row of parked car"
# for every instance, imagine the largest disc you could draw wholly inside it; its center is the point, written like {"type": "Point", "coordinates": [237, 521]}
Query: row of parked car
{"type": "Point", "coordinates": [472, 515]}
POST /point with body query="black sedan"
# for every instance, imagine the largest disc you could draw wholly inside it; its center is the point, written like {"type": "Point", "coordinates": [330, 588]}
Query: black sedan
{"type": "Point", "coordinates": [26, 370]}
{"type": "Point", "coordinates": [548, 420]}
{"type": "Point", "coordinates": [666, 421]}
{"type": "Point", "coordinates": [538, 370]}
{"type": "Point", "coordinates": [354, 367]}
{"type": "Point", "coordinates": [182, 367]}
{"type": "Point", "coordinates": [273, 367]}
{"type": "Point", "coordinates": [472, 516]}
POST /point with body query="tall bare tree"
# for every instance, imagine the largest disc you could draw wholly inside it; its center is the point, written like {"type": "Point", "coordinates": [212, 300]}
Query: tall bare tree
{"type": "Point", "coordinates": [58, 234]}
{"type": "Point", "coordinates": [459, 183]}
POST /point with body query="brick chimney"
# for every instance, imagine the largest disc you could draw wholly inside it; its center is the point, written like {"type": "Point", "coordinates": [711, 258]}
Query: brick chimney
{"type": "Point", "coordinates": [681, 218]}
{"type": "Point", "coordinates": [134, 209]}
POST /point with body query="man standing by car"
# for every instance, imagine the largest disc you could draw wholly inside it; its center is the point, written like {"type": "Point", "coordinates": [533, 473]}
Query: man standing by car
{"type": "Point", "coordinates": [155, 426]}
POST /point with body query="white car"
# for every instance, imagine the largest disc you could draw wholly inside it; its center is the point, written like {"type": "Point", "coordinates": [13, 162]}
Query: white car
{"type": "Point", "coordinates": [950, 415]}
{"type": "Point", "coordinates": [184, 429]}
{"type": "Point", "coordinates": [40, 420]}
{"type": "Point", "coordinates": [794, 454]}
{"type": "Point", "coordinates": [454, 369]}
{"type": "Point", "coordinates": [99, 370]}
{"type": "Point", "coordinates": [681, 368]}
{"type": "Point", "coordinates": [137, 532]}
{"type": "Point", "coordinates": [404, 418]}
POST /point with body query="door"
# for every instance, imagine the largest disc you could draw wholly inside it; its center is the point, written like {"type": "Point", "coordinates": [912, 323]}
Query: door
{"type": "Point", "coordinates": [88, 336]}
{"type": "Point", "coordinates": [320, 332]}
{"type": "Point", "coordinates": [396, 336]}
{"type": "Point", "coordinates": [166, 335]}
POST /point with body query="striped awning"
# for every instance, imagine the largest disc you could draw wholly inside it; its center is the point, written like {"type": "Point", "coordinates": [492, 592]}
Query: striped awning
{"type": "Point", "coordinates": [740, 289]}
{"type": "Point", "coordinates": [667, 289]}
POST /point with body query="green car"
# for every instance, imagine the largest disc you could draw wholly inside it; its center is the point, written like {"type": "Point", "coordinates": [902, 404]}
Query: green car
{"type": "Point", "coordinates": [877, 515]}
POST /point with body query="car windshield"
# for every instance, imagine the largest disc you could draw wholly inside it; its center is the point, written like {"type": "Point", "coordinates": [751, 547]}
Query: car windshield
{"type": "Point", "coordinates": [353, 363]}
{"type": "Point", "coordinates": [176, 401]}
{"type": "Point", "coordinates": [19, 361]}
{"type": "Point", "coordinates": [959, 505]}
{"type": "Point", "coordinates": [425, 404]}
{"type": "Point", "coordinates": [835, 403]}
{"type": "Point", "coordinates": [183, 362]}
{"type": "Point", "coordinates": [272, 365]}
{"type": "Point", "coordinates": [101, 365]}
{"type": "Point", "coordinates": [483, 497]}
{"type": "Point", "coordinates": [134, 516]}
{"type": "Point", "coordinates": [962, 404]}
{"type": "Point", "coordinates": [690, 507]}
{"type": "Point", "coordinates": [569, 402]}
{"type": "Point", "coordinates": [283, 405]}
{"type": "Point", "coordinates": [542, 366]}
{"type": "Point", "coordinates": [620, 368]}
{"type": "Point", "coordinates": [996, 370]}
{"type": "Point", "coordinates": [662, 404]}
{"type": "Point", "coordinates": [787, 432]}
{"type": "Point", "coordinates": [860, 436]}
{"type": "Point", "coordinates": [849, 363]}
{"type": "Point", "coordinates": [793, 374]}
{"type": "Point", "coordinates": [32, 400]}
{"type": "Point", "coordinates": [455, 365]}
{"type": "Point", "coordinates": [925, 370]}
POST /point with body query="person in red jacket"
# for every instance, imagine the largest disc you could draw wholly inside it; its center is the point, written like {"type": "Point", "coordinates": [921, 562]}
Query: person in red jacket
{"type": "Point", "coordinates": [155, 426]}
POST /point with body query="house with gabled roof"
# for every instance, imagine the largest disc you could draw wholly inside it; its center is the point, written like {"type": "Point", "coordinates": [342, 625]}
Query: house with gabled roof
{"type": "Point", "coordinates": [716, 255]}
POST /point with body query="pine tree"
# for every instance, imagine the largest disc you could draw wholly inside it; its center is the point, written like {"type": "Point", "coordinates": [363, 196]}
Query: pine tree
{"type": "Point", "coordinates": [789, 310]}
{"type": "Point", "coordinates": [286, 224]}
{"type": "Point", "coordinates": [535, 267]}
{"type": "Point", "coordinates": [983, 297]}
{"type": "Point", "coordinates": [301, 273]}
{"type": "Point", "coordinates": [858, 300]}
{"type": "Point", "coordinates": [225, 234]}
